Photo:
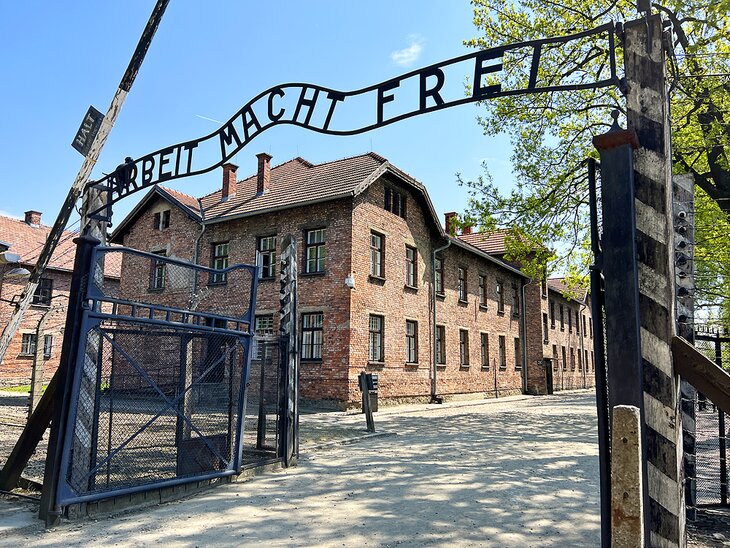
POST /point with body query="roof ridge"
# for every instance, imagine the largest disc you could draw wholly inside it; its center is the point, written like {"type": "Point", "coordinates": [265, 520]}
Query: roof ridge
{"type": "Point", "coordinates": [372, 154]}
{"type": "Point", "coordinates": [168, 189]}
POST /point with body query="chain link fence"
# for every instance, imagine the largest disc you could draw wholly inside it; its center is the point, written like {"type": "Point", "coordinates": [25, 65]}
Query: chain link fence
{"type": "Point", "coordinates": [162, 388]}
{"type": "Point", "coordinates": [712, 427]}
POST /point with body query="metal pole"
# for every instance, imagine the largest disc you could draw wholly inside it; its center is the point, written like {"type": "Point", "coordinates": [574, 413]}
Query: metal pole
{"type": "Point", "coordinates": [26, 297]}
{"type": "Point", "coordinates": [721, 428]}
{"type": "Point", "coordinates": [604, 457]}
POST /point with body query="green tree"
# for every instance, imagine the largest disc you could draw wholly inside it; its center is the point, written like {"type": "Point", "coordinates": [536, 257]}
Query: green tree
{"type": "Point", "coordinates": [551, 132]}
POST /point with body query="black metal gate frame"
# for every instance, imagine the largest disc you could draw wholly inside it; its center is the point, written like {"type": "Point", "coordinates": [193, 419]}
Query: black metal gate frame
{"type": "Point", "coordinates": [92, 317]}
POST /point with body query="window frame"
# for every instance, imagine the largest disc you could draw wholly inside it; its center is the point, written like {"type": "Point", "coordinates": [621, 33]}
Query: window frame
{"type": "Point", "coordinates": [440, 341]}
{"type": "Point", "coordinates": [545, 329]}
{"type": "Point", "coordinates": [562, 317]}
{"type": "Point", "coordinates": [515, 300]}
{"type": "Point", "coordinates": [320, 251]}
{"type": "Point", "coordinates": [395, 202]}
{"type": "Point", "coordinates": [463, 347]}
{"type": "Point", "coordinates": [500, 297]}
{"type": "Point", "coordinates": [377, 255]}
{"type": "Point", "coordinates": [411, 342]}
{"type": "Point", "coordinates": [462, 285]}
{"type": "Point", "coordinates": [502, 352]}
{"type": "Point", "coordinates": [27, 344]}
{"type": "Point", "coordinates": [260, 333]}
{"type": "Point", "coordinates": [47, 346]}
{"type": "Point", "coordinates": [376, 336]}
{"type": "Point", "coordinates": [438, 268]}
{"type": "Point", "coordinates": [43, 294]}
{"type": "Point", "coordinates": [219, 278]}
{"type": "Point", "coordinates": [270, 253]}
{"type": "Point", "coordinates": [411, 267]}
{"type": "Point", "coordinates": [482, 290]}
{"type": "Point", "coordinates": [518, 353]}
{"type": "Point", "coordinates": [312, 337]}
{"type": "Point", "coordinates": [484, 349]}
{"type": "Point", "coordinates": [552, 314]}
{"type": "Point", "coordinates": [158, 272]}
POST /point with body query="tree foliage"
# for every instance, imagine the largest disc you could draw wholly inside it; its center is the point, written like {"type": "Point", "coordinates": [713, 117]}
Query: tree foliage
{"type": "Point", "coordinates": [551, 133]}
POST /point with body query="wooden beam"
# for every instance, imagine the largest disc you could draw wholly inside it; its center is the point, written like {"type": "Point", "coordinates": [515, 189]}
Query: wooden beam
{"type": "Point", "coordinates": [704, 374]}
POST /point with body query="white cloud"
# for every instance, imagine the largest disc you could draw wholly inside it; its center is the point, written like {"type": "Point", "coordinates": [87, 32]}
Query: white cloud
{"type": "Point", "coordinates": [407, 56]}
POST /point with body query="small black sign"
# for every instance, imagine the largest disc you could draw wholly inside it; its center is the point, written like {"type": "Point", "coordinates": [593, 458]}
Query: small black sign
{"type": "Point", "coordinates": [88, 130]}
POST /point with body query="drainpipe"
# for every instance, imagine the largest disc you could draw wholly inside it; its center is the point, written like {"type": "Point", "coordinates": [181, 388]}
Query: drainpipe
{"type": "Point", "coordinates": [434, 392]}
{"type": "Point", "coordinates": [524, 335]}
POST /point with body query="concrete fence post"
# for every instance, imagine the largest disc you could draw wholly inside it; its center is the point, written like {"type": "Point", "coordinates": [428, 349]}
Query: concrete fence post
{"type": "Point", "coordinates": [627, 504]}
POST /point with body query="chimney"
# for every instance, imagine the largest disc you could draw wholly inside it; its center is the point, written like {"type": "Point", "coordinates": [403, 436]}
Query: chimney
{"type": "Point", "coordinates": [263, 175]}
{"type": "Point", "coordinates": [450, 223]}
{"type": "Point", "coordinates": [33, 218]}
{"type": "Point", "coordinates": [467, 229]}
{"type": "Point", "coordinates": [229, 181]}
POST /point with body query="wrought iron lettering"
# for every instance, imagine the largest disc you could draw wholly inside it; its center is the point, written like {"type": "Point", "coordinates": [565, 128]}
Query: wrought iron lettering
{"type": "Point", "coordinates": [495, 72]}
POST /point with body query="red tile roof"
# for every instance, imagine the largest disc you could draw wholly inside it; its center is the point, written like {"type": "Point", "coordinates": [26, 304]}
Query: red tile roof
{"type": "Point", "coordinates": [294, 183]}
{"type": "Point", "coordinates": [185, 199]}
{"type": "Point", "coordinates": [559, 285]}
{"type": "Point", "coordinates": [493, 242]}
{"type": "Point", "coordinates": [27, 241]}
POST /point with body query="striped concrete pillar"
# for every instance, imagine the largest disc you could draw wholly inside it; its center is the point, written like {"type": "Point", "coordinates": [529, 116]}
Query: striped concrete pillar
{"type": "Point", "coordinates": [648, 115]}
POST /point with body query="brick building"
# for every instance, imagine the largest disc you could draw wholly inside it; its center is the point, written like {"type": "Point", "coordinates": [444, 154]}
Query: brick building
{"type": "Point", "coordinates": [26, 238]}
{"type": "Point", "coordinates": [561, 316]}
{"type": "Point", "coordinates": [384, 287]}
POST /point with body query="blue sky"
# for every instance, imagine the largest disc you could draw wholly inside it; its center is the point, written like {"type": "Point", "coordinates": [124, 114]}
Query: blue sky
{"type": "Point", "coordinates": [206, 61]}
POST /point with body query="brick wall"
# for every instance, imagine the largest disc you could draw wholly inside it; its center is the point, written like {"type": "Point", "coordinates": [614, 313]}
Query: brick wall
{"type": "Point", "coordinates": [570, 374]}
{"type": "Point", "coordinates": [16, 367]}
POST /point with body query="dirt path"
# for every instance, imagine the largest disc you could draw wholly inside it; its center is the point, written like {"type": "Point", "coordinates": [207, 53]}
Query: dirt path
{"type": "Point", "coordinates": [518, 472]}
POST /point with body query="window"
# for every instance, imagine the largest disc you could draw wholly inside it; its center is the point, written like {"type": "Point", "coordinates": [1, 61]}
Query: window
{"type": "Point", "coordinates": [500, 297]}
{"type": "Point", "coordinates": [484, 349]}
{"type": "Point", "coordinates": [162, 220]}
{"type": "Point", "coordinates": [47, 346]}
{"type": "Point", "coordinates": [219, 261]}
{"type": "Point", "coordinates": [377, 253]}
{"type": "Point", "coordinates": [593, 363]}
{"type": "Point", "coordinates": [157, 277]}
{"type": "Point", "coordinates": [376, 351]}
{"type": "Point", "coordinates": [463, 348]}
{"type": "Point", "coordinates": [590, 326]}
{"type": "Point", "coordinates": [439, 276]}
{"type": "Point", "coordinates": [572, 359]}
{"type": "Point", "coordinates": [545, 336]}
{"type": "Point", "coordinates": [411, 266]}
{"type": "Point", "coordinates": [440, 344]}
{"type": "Point", "coordinates": [584, 326]}
{"type": "Point", "coordinates": [515, 300]}
{"type": "Point", "coordinates": [555, 357]}
{"type": "Point", "coordinates": [312, 336]}
{"type": "Point", "coordinates": [462, 284]}
{"type": "Point", "coordinates": [552, 314]}
{"type": "Point", "coordinates": [263, 328]}
{"type": "Point", "coordinates": [565, 360]}
{"type": "Point", "coordinates": [266, 256]}
{"type": "Point", "coordinates": [562, 318]}
{"type": "Point", "coordinates": [502, 352]}
{"type": "Point", "coordinates": [543, 287]}
{"type": "Point", "coordinates": [411, 341]}
{"type": "Point", "coordinates": [580, 361]}
{"type": "Point", "coordinates": [395, 202]}
{"type": "Point", "coordinates": [570, 321]}
{"type": "Point", "coordinates": [314, 250]}
{"type": "Point", "coordinates": [577, 323]}
{"type": "Point", "coordinates": [518, 354]}
{"type": "Point", "coordinates": [585, 361]}
{"type": "Point", "coordinates": [27, 344]}
{"type": "Point", "coordinates": [483, 291]}
{"type": "Point", "coordinates": [44, 292]}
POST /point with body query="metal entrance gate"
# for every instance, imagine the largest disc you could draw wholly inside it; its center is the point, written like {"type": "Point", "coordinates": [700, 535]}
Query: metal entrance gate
{"type": "Point", "coordinates": [158, 388]}
{"type": "Point", "coordinates": [711, 427]}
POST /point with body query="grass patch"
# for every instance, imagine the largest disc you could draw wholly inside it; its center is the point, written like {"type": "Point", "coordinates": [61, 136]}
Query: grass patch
{"type": "Point", "coordinates": [23, 388]}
